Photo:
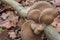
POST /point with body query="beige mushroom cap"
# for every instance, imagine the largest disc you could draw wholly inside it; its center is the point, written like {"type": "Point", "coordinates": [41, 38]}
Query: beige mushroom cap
{"type": "Point", "coordinates": [41, 5]}
{"type": "Point", "coordinates": [34, 15]}
{"type": "Point", "coordinates": [48, 15]}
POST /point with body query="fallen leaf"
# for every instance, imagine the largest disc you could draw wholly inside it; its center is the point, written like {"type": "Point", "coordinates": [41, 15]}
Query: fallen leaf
{"type": "Point", "coordinates": [56, 2]}
{"type": "Point", "coordinates": [56, 23]}
{"type": "Point", "coordinates": [20, 22]}
{"type": "Point", "coordinates": [12, 35]}
{"type": "Point", "coordinates": [4, 35]}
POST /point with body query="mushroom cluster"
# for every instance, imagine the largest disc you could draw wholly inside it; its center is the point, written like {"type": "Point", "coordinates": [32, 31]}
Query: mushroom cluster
{"type": "Point", "coordinates": [40, 13]}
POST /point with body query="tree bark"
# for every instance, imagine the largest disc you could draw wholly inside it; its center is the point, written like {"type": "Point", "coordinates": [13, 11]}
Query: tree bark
{"type": "Point", "coordinates": [51, 33]}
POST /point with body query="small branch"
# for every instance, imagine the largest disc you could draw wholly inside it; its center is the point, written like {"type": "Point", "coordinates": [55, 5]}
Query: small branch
{"type": "Point", "coordinates": [18, 7]}
{"type": "Point", "coordinates": [51, 33]}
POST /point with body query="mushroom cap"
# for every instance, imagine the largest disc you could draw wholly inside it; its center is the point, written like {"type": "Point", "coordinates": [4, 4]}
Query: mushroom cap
{"type": "Point", "coordinates": [48, 15]}
{"type": "Point", "coordinates": [27, 33]}
{"type": "Point", "coordinates": [34, 15]}
{"type": "Point", "coordinates": [41, 5]}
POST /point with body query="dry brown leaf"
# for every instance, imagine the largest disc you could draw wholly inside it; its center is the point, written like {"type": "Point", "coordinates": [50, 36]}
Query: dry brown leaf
{"type": "Point", "coordinates": [12, 34]}
{"type": "Point", "coordinates": [4, 7]}
{"type": "Point", "coordinates": [56, 23]}
{"type": "Point", "coordinates": [12, 16]}
{"type": "Point", "coordinates": [21, 22]}
{"type": "Point", "coordinates": [13, 19]}
{"type": "Point", "coordinates": [28, 2]}
{"type": "Point", "coordinates": [4, 34]}
{"type": "Point", "coordinates": [5, 24]}
{"type": "Point", "coordinates": [10, 19]}
{"type": "Point", "coordinates": [56, 2]}
{"type": "Point", "coordinates": [58, 8]}
{"type": "Point", "coordinates": [4, 15]}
